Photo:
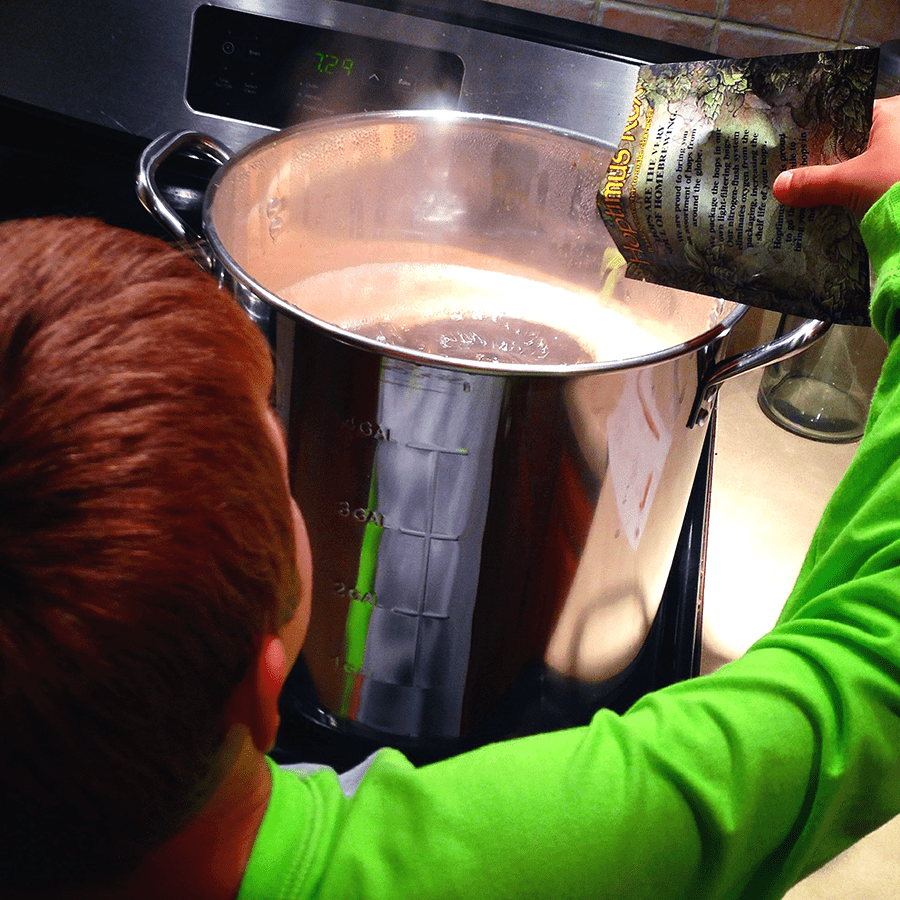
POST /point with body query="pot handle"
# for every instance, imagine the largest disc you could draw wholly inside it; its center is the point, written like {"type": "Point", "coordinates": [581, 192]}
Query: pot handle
{"type": "Point", "coordinates": [781, 348]}
{"type": "Point", "coordinates": [157, 152]}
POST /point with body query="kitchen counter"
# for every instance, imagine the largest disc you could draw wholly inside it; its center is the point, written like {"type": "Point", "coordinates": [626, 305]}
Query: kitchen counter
{"type": "Point", "coordinates": [769, 490]}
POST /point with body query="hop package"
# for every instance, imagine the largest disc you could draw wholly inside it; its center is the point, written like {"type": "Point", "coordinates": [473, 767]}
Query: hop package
{"type": "Point", "coordinates": [687, 195]}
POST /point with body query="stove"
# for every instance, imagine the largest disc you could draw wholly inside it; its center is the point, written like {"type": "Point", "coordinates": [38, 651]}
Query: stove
{"type": "Point", "coordinates": [84, 87]}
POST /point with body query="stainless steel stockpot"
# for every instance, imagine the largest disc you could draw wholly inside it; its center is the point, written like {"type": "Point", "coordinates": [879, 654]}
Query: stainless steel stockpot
{"type": "Point", "coordinates": [468, 519]}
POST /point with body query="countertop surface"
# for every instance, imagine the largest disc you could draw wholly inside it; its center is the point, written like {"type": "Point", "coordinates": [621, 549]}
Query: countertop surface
{"type": "Point", "coordinates": [769, 490]}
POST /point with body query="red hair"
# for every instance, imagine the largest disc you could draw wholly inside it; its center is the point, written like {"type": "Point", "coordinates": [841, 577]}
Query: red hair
{"type": "Point", "coordinates": [145, 542]}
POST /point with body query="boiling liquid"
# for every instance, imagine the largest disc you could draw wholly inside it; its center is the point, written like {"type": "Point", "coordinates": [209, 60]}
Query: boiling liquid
{"type": "Point", "coordinates": [471, 314]}
{"type": "Point", "coordinates": [498, 340]}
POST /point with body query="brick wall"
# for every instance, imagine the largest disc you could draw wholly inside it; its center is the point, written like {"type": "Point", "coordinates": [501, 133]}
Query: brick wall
{"type": "Point", "coordinates": [738, 27]}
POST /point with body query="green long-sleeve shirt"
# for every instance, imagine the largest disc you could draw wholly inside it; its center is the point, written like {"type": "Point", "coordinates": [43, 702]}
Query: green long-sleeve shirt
{"type": "Point", "coordinates": [736, 784]}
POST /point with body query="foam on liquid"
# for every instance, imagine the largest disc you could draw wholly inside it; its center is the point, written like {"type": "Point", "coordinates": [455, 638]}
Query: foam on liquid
{"type": "Point", "coordinates": [473, 314]}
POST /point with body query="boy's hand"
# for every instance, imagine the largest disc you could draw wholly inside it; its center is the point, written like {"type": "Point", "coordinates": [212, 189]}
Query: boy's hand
{"type": "Point", "coordinates": [856, 183]}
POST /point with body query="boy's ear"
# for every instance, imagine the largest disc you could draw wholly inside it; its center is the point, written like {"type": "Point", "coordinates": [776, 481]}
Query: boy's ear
{"type": "Point", "coordinates": [254, 703]}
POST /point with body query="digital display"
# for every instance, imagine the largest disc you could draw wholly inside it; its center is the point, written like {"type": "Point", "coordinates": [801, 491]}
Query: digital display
{"type": "Point", "coordinates": [329, 63]}
{"type": "Point", "coordinates": [275, 73]}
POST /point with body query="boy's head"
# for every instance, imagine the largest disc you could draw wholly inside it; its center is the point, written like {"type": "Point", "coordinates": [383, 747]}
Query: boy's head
{"type": "Point", "coordinates": [146, 542]}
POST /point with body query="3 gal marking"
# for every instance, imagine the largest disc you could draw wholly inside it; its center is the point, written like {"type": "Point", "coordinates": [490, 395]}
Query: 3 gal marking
{"type": "Point", "coordinates": [360, 514]}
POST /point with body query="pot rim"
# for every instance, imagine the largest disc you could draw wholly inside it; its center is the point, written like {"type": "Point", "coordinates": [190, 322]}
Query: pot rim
{"type": "Point", "coordinates": [331, 124]}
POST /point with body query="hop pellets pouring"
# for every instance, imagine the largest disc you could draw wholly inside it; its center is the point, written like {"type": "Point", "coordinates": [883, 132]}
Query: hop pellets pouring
{"type": "Point", "coordinates": [688, 193]}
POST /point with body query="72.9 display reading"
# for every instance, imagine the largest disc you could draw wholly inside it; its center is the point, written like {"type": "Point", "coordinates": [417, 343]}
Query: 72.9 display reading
{"type": "Point", "coordinates": [328, 63]}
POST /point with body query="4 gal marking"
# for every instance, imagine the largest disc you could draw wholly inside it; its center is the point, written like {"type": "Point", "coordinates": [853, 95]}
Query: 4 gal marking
{"type": "Point", "coordinates": [368, 429]}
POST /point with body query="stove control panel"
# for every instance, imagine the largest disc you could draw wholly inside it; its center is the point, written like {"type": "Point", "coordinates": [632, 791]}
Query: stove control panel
{"type": "Point", "coordinates": [275, 73]}
{"type": "Point", "coordinates": [241, 69]}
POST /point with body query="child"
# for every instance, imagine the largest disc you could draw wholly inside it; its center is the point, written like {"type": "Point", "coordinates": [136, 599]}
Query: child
{"type": "Point", "coordinates": [154, 592]}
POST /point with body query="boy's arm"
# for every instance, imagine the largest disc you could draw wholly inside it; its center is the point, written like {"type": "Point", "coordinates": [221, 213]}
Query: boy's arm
{"type": "Point", "coordinates": [733, 785]}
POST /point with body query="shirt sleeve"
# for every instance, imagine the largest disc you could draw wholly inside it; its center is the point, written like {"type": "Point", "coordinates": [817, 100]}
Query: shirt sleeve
{"type": "Point", "coordinates": [732, 785]}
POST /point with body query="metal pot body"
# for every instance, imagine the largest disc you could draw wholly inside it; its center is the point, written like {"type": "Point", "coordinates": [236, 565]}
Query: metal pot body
{"type": "Point", "coordinates": [467, 525]}
{"type": "Point", "coordinates": [469, 519]}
